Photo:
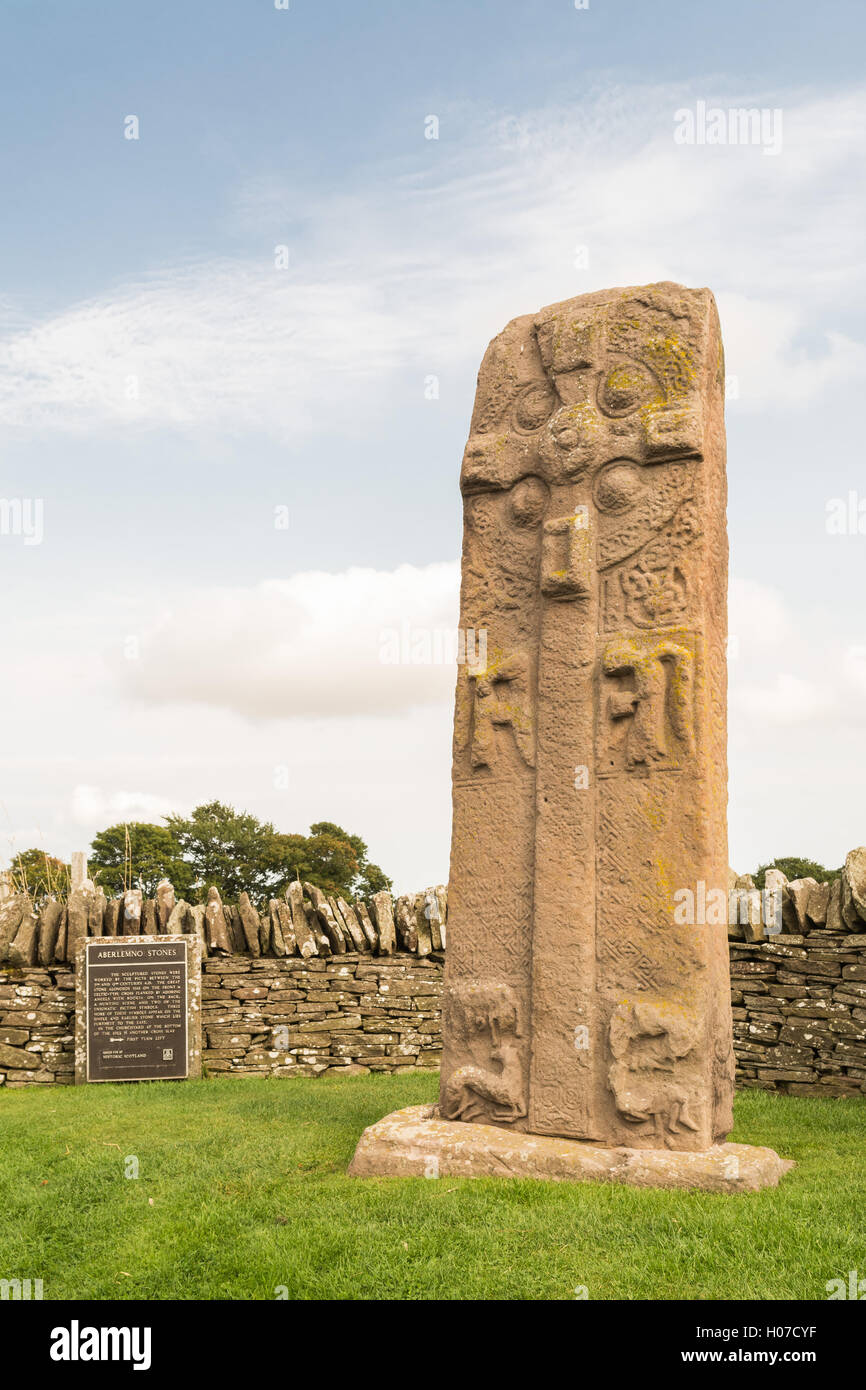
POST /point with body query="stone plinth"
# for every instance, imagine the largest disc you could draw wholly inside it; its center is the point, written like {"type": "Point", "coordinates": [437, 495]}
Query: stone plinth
{"type": "Point", "coordinates": [416, 1142]}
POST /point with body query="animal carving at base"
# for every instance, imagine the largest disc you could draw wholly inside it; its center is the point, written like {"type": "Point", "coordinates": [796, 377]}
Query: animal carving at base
{"type": "Point", "coordinates": [487, 1016]}
{"type": "Point", "coordinates": [472, 1092]}
{"type": "Point", "coordinates": [647, 1041]}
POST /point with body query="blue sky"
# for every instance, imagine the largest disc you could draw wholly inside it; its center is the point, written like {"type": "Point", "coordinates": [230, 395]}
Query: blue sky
{"type": "Point", "coordinates": [164, 388]}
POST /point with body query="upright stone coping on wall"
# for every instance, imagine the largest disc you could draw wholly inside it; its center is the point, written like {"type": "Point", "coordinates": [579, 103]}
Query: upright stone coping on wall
{"type": "Point", "coordinates": [589, 755]}
{"type": "Point", "coordinates": [304, 923]}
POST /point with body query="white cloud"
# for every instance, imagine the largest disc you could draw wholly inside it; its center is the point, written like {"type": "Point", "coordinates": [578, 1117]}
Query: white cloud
{"type": "Point", "coordinates": [773, 661]}
{"type": "Point", "coordinates": [761, 353]}
{"type": "Point", "coordinates": [94, 808]}
{"type": "Point", "coordinates": [244, 346]}
{"type": "Point", "coordinates": [316, 645]}
{"type": "Point", "coordinates": [17, 839]}
{"type": "Point", "coordinates": [224, 345]}
{"type": "Point", "coordinates": [854, 667]}
{"type": "Point", "coordinates": [788, 699]}
{"type": "Point", "coordinates": [758, 615]}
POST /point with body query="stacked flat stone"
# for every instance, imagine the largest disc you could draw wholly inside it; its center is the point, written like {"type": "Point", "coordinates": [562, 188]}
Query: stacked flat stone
{"type": "Point", "coordinates": [37, 1026]}
{"type": "Point", "coordinates": [260, 1017]}
{"type": "Point", "coordinates": [305, 923]}
{"type": "Point", "coordinates": [344, 1015]}
{"type": "Point", "coordinates": [837, 906]}
{"type": "Point", "coordinates": [799, 995]}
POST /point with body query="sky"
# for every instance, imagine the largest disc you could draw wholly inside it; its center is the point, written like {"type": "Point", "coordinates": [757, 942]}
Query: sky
{"type": "Point", "coordinates": [250, 259]}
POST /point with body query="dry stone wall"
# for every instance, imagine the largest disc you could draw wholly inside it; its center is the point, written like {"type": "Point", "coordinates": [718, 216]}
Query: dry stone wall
{"type": "Point", "coordinates": [799, 1006]}
{"type": "Point", "coordinates": [260, 1016]}
{"type": "Point", "coordinates": [37, 1026]}
{"type": "Point", "coordinates": [302, 985]}
{"type": "Point", "coordinates": [281, 1018]}
{"type": "Point", "coordinates": [798, 997]}
{"type": "Point", "coordinates": [799, 994]}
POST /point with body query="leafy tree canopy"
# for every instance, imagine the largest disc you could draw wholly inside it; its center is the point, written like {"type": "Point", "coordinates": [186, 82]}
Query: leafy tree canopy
{"type": "Point", "coordinates": [215, 845]}
{"type": "Point", "coordinates": [236, 852]}
{"type": "Point", "coordinates": [230, 849]}
{"type": "Point", "coordinates": [333, 860]}
{"type": "Point", "coordinates": [793, 867]}
{"type": "Point", "coordinates": [138, 855]}
{"type": "Point", "coordinates": [38, 873]}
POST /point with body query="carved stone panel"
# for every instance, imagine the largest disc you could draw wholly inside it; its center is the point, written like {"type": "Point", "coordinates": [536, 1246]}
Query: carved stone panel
{"type": "Point", "coordinates": [589, 746]}
{"type": "Point", "coordinates": [491, 1088]}
{"type": "Point", "coordinates": [647, 703]}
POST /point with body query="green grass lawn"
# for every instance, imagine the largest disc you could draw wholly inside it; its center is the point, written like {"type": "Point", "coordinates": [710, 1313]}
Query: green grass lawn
{"type": "Point", "coordinates": [242, 1188]}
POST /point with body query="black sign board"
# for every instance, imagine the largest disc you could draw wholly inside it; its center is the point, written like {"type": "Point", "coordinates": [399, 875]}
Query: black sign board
{"type": "Point", "coordinates": [136, 1010]}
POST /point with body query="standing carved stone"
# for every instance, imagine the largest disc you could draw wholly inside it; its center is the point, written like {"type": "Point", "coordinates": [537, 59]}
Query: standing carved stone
{"type": "Point", "coordinates": [589, 749]}
{"type": "Point", "coordinates": [587, 1027]}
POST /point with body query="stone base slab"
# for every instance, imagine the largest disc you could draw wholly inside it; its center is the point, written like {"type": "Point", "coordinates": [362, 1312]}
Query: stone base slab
{"type": "Point", "coordinates": [415, 1142]}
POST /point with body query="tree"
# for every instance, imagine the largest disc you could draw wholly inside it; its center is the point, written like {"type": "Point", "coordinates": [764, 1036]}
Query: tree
{"type": "Point", "coordinates": [373, 880]}
{"type": "Point", "coordinates": [333, 860]}
{"type": "Point", "coordinates": [793, 867]}
{"type": "Point", "coordinates": [231, 850]}
{"type": "Point", "coordinates": [235, 852]}
{"type": "Point", "coordinates": [38, 873]}
{"type": "Point", "coordinates": [138, 855]}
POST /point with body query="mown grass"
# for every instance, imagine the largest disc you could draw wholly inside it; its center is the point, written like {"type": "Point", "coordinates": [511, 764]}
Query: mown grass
{"type": "Point", "coordinates": [242, 1189]}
